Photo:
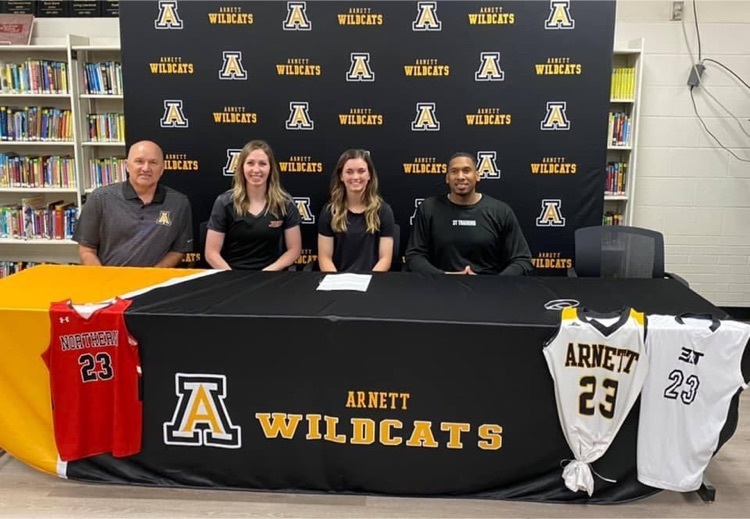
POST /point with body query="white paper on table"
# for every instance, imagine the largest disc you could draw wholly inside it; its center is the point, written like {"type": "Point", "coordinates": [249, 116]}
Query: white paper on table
{"type": "Point", "coordinates": [358, 282]}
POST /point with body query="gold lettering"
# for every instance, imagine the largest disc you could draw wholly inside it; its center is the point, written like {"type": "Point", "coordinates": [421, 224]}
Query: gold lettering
{"type": "Point", "coordinates": [454, 437]}
{"type": "Point", "coordinates": [491, 437]}
{"type": "Point", "coordinates": [283, 424]}
{"type": "Point", "coordinates": [331, 436]}
{"type": "Point", "coordinates": [363, 431]}
{"type": "Point", "coordinates": [385, 432]}
{"type": "Point", "coordinates": [313, 427]}
{"type": "Point", "coordinates": [422, 435]}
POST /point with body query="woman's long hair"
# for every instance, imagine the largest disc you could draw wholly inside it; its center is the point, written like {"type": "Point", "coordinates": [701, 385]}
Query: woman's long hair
{"type": "Point", "coordinates": [371, 199]}
{"type": "Point", "coordinates": [276, 197]}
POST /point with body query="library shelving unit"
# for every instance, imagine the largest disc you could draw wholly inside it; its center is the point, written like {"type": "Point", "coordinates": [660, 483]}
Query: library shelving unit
{"type": "Point", "coordinates": [47, 148]}
{"type": "Point", "coordinates": [622, 131]}
{"type": "Point", "coordinates": [98, 83]}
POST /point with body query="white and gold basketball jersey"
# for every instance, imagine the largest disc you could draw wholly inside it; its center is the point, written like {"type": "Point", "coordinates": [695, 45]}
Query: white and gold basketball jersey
{"type": "Point", "coordinates": [695, 371]}
{"type": "Point", "coordinates": [598, 364]}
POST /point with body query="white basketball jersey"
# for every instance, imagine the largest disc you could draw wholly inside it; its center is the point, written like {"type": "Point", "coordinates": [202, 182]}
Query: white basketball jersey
{"type": "Point", "coordinates": [598, 364]}
{"type": "Point", "coordinates": [695, 371]}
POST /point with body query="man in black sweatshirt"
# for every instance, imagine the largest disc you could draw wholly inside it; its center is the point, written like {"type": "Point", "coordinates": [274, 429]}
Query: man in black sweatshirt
{"type": "Point", "coordinates": [466, 232]}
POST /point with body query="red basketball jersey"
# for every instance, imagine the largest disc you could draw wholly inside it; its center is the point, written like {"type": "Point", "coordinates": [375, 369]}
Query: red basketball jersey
{"type": "Point", "coordinates": [94, 380]}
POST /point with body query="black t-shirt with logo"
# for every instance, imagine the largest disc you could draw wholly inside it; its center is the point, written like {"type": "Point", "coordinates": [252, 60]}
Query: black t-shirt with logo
{"type": "Point", "coordinates": [356, 250]}
{"type": "Point", "coordinates": [251, 242]}
{"type": "Point", "coordinates": [486, 236]}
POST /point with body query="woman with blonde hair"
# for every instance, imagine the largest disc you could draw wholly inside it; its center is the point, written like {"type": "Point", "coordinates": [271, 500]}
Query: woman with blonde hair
{"type": "Point", "coordinates": [356, 227]}
{"type": "Point", "coordinates": [249, 221]}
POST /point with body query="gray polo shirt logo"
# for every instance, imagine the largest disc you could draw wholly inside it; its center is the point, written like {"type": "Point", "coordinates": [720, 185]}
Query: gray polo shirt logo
{"type": "Point", "coordinates": [164, 218]}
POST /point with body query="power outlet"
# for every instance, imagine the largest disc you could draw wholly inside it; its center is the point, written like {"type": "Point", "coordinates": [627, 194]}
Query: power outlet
{"type": "Point", "coordinates": [678, 8]}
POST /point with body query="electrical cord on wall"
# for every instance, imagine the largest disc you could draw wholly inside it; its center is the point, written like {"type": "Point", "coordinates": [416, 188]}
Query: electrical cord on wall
{"type": "Point", "coordinates": [697, 31]}
{"type": "Point", "coordinates": [695, 80]}
{"type": "Point", "coordinates": [709, 60]}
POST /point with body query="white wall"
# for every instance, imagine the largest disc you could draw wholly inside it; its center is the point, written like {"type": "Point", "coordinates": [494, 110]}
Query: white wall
{"type": "Point", "coordinates": [688, 187]}
{"type": "Point", "coordinates": [54, 31]}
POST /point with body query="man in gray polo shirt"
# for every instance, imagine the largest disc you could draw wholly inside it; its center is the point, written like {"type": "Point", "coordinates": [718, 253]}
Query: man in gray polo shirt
{"type": "Point", "coordinates": [138, 222]}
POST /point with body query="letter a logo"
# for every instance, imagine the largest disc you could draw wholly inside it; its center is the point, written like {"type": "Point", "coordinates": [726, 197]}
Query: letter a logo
{"type": "Point", "coordinates": [487, 165]}
{"type": "Point", "coordinates": [489, 67]}
{"type": "Point", "coordinates": [168, 17]}
{"type": "Point", "coordinates": [173, 115]}
{"type": "Point", "coordinates": [425, 120]}
{"type": "Point", "coordinates": [556, 118]}
{"type": "Point", "coordinates": [427, 19]}
{"type": "Point", "coordinates": [164, 218]}
{"type": "Point", "coordinates": [201, 418]}
{"type": "Point", "coordinates": [559, 16]}
{"type": "Point", "coordinates": [360, 69]}
{"type": "Point", "coordinates": [232, 67]}
{"type": "Point", "coordinates": [551, 215]}
{"type": "Point", "coordinates": [296, 17]}
{"type": "Point", "coordinates": [233, 157]}
{"type": "Point", "coordinates": [299, 116]}
{"type": "Point", "coordinates": [305, 212]}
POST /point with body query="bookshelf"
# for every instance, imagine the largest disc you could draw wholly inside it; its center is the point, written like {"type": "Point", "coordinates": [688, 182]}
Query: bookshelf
{"type": "Point", "coordinates": [61, 135]}
{"type": "Point", "coordinates": [98, 84]}
{"type": "Point", "coordinates": [624, 104]}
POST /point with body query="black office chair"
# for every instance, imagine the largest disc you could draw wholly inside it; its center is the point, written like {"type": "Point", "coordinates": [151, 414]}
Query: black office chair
{"type": "Point", "coordinates": [201, 245]}
{"type": "Point", "coordinates": [619, 251]}
{"type": "Point", "coordinates": [396, 263]}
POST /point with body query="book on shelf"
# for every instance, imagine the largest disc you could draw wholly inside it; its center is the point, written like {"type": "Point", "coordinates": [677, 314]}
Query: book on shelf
{"type": "Point", "coordinates": [29, 171]}
{"type": "Point", "coordinates": [618, 129]}
{"type": "Point", "coordinates": [103, 78]}
{"type": "Point", "coordinates": [63, 220]}
{"type": "Point", "coordinates": [612, 219]}
{"type": "Point", "coordinates": [107, 127]}
{"type": "Point", "coordinates": [623, 83]}
{"type": "Point", "coordinates": [615, 178]}
{"type": "Point", "coordinates": [8, 268]}
{"type": "Point", "coordinates": [15, 29]}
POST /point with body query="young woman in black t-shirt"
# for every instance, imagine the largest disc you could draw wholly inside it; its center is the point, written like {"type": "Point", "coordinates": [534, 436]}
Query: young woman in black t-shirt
{"type": "Point", "coordinates": [250, 222]}
{"type": "Point", "coordinates": [356, 227]}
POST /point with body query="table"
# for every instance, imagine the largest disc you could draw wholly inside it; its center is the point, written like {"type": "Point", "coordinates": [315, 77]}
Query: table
{"type": "Point", "coordinates": [424, 385]}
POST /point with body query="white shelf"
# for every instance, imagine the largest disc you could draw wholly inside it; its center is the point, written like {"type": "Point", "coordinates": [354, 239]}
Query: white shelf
{"type": "Point", "coordinates": [35, 241]}
{"type": "Point", "coordinates": [109, 48]}
{"type": "Point", "coordinates": [628, 54]}
{"type": "Point", "coordinates": [37, 143]}
{"type": "Point", "coordinates": [75, 51]}
{"type": "Point", "coordinates": [33, 48]}
{"type": "Point", "coordinates": [103, 143]}
{"type": "Point", "coordinates": [34, 96]}
{"type": "Point", "coordinates": [101, 96]}
{"type": "Point", "coordinates": [38, 190]}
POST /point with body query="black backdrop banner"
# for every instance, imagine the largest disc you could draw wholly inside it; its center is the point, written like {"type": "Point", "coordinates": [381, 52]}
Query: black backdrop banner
{"type": "Point", "coordinates": [522, 85]}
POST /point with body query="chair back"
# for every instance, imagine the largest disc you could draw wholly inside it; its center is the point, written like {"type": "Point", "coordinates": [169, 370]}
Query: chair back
{"type": "Point", "coordinates": [201, 248]}
{"type": "Point", "coordinates": [618, 251]}
{"type": "Point", "coordinates": [396, 263]}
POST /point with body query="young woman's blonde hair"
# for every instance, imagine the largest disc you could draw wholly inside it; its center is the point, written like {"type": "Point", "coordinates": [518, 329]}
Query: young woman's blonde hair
{"type": "Point", "coordinates": [371, 199]}
{"type": "Point", "coordinates": [276, 197]}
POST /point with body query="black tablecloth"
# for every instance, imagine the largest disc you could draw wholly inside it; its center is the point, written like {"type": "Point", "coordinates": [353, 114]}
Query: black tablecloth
{"type": "Point", "coordinates": [467, 407]}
